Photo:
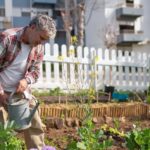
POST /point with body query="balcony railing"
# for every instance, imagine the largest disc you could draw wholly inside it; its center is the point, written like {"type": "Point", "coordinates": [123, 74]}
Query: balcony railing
{"type": "Point", "coordinates": [127, 31]}
{"type": "Point", "coordinates": [129, 37]}
{"type": "Point", "coordinates": [120, 5]}
{"type": "Point", "coordinates": [129, 13]}
{"type": "Point", "coordinates": [43, 3]}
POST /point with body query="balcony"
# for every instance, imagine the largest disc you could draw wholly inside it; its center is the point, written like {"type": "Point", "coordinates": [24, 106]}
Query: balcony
{"type": "Point", "coordinates": [129, 38]}
{"type": "Point", "coordinates": [129, 13]}
{"type": "Point", "coordinates": [43, 3]}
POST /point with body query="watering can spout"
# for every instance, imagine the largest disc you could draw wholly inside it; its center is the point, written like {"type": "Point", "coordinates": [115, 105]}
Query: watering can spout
{"type": "Point", "coordinates": [33, 112]}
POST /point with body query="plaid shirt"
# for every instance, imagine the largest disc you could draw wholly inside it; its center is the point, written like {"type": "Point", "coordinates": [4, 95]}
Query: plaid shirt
{"type": "Point", "coordinates": [10, 46]}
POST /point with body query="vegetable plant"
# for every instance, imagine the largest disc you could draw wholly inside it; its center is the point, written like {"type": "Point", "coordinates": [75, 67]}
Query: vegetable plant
{"type": "Point", "coordinates": [8, 139]}
{"type": "Point", "coordinates": [88, 138]}
{"type": "Point", "coordinates": [138, 139]}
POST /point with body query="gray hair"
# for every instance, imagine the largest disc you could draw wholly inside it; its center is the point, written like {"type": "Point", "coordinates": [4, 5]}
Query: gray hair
{"type": "Point", "coordinates": [46, 23]}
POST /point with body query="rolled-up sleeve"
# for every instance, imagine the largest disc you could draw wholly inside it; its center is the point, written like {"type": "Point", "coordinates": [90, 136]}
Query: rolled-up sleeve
{"type": "Point", "coordinates": [33, 72]}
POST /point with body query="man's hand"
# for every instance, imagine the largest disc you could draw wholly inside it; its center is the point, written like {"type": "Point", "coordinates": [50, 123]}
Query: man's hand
{"type": "Point", "coordinates": [22, 86]}
{"type": "Point", "coordinates": [3, 98]}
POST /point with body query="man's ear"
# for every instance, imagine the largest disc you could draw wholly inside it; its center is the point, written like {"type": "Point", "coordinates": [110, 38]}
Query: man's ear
{"type": "Point", "coordinates": [33, 26]}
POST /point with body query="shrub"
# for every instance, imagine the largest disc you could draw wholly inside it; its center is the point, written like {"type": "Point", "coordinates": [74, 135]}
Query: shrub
{"type": "Point", "coordinates": [8, 139]}
{"type": "Point", "coordinates": [138, 139]}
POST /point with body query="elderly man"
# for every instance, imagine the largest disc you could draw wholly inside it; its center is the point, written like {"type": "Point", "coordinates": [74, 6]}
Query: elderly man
{"type": "Point", "coordinates": [21, 53]}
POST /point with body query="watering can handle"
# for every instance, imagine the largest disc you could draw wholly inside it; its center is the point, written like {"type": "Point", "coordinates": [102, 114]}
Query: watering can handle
{"type": "Point", "coordinates": [35, 99]}
{"type": "Point", "coordinates": [10, 97]}
{"type": "Point", "coordinates": [34, 109]}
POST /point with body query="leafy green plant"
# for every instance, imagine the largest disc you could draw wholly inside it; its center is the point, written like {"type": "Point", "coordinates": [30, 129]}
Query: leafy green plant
{"type": "Point", "coordinates": [138, 139]}
{"type": "Point", "coordinates": [148, 95]}
{"type": "Point", "coordinates": [148, 99]}
{"type": "Point", "coordinates": [116, 123]}
{"type": "Point", "coordinates": [8, 139]}
{"type": "Point", "coordinates": [49, 142]}
{"type": "Point", "coordinates": [114, 130]}
{"type": "Point", "coordinates": [51, 92]}
{"type": "Point", "coordinates": [90, 139]}
{"type": "Point", "coordinates": [56, 92]}
{"type": "Point", "coordinates": [81, 95]}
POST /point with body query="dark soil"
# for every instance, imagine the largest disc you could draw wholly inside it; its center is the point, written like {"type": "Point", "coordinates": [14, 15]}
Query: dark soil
{"type": "Point", "coordinates": [60, 138]}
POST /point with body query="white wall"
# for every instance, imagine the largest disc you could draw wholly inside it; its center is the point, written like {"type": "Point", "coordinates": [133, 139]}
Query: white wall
{"type": "Point", "coordinates": [146, 18]}
{"type": "Point", "coordinates": [94, 23]}
{"type": "Point", "coordinates": [145, 23]}
{"type": "Point", "coordinates": [111, 27]}
{"type": "Point", "coordinates": [144, 48]}
{"type": "Point", "coordinates": [8, 9]}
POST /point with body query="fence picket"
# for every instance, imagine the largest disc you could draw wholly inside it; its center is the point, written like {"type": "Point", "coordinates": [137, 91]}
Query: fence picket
{"type": "Point", "coordinates": [72, 65]}
{"type": "Point", "coordinates": [64, 65]}
{"type": "Point", "coordinates": [107, 68]}
{"type": "Point", "coordinates": [114, 68]}
{"type": "Point", "coordinates": [126, 70]}
{"type": "Point", "coordinates": [47, 63]}
{"type": "Point", "coordinates": [100, 69]}
{"type": "Point", "coordinates": [79, 69]}
{"type": "Point", "coordinates": [120, 68]}
{"type": "Point", "coordinates": [56, 64]}
{"type": "Point", "coordinates": [86, 67]}
{"type": "Point", "coordinates": [145, 58]}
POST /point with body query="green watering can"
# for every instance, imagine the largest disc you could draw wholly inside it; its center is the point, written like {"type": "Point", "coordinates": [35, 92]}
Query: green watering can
{"type": "Point", "coordinates": [20, 112]}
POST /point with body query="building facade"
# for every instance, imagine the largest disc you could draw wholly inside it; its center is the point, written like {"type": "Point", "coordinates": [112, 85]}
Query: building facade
{"type": "Point", "coordinates": [117, 24]}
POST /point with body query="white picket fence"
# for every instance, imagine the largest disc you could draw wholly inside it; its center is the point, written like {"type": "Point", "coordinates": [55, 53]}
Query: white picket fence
{"type": "Point", "coordinates": [80, 68]}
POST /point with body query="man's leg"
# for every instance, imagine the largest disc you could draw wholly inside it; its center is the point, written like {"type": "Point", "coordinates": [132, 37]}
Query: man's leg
{"type": "Point", "coordinates": [34, 136]}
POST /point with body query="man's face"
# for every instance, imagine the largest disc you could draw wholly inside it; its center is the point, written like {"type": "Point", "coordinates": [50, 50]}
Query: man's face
{"type": "Point", "coordinates": [36, 37]}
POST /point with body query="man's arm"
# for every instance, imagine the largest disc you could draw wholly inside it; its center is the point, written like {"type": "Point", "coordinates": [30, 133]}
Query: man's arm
{"type": "Point", "coordinates": [3, 49]}
{"type": "Point", "coordinates": [34, 70]}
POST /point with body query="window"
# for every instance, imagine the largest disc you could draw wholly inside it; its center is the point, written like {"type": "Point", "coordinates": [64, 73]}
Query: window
{"type": "Point", "coordinates": [130, 1]}
{"type": "Point", "coordinates": [42, 12]}
{"type": "Point", "coordinates": [1, 25]}
{"type": "Point", "coordinates": [26, 14]}
{"type": "Point", "coordinates": [2, 12]}
{"type": "Point", "coordinates": [126, 29]}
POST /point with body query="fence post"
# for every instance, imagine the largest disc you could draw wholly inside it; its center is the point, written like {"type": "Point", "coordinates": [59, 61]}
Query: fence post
{"type": "Point", "coordinates": [56, 64]}
{"type": "Point", "coordinates": [93, 69]}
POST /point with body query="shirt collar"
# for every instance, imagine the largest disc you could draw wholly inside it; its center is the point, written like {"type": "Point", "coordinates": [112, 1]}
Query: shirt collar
{"type": "Point", "coordinates": [20, 32]}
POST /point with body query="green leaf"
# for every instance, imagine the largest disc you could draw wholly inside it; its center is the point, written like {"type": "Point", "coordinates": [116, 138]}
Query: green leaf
{"type": "Point", "coordinates": [81, 145]}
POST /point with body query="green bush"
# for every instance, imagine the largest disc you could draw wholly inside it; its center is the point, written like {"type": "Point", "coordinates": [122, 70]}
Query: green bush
{"type": "Point", "coordinates": [138, 139]}
{"type": "Point", "coordinates": [51, 92]}
{"type": "Point", "coordinates": [8, 139]}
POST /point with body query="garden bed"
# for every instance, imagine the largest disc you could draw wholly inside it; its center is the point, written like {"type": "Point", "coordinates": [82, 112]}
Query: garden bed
{"type": "Point", "coordinates": [60, 138]}
{"type": "Point", "coordinates": [63, 121]}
